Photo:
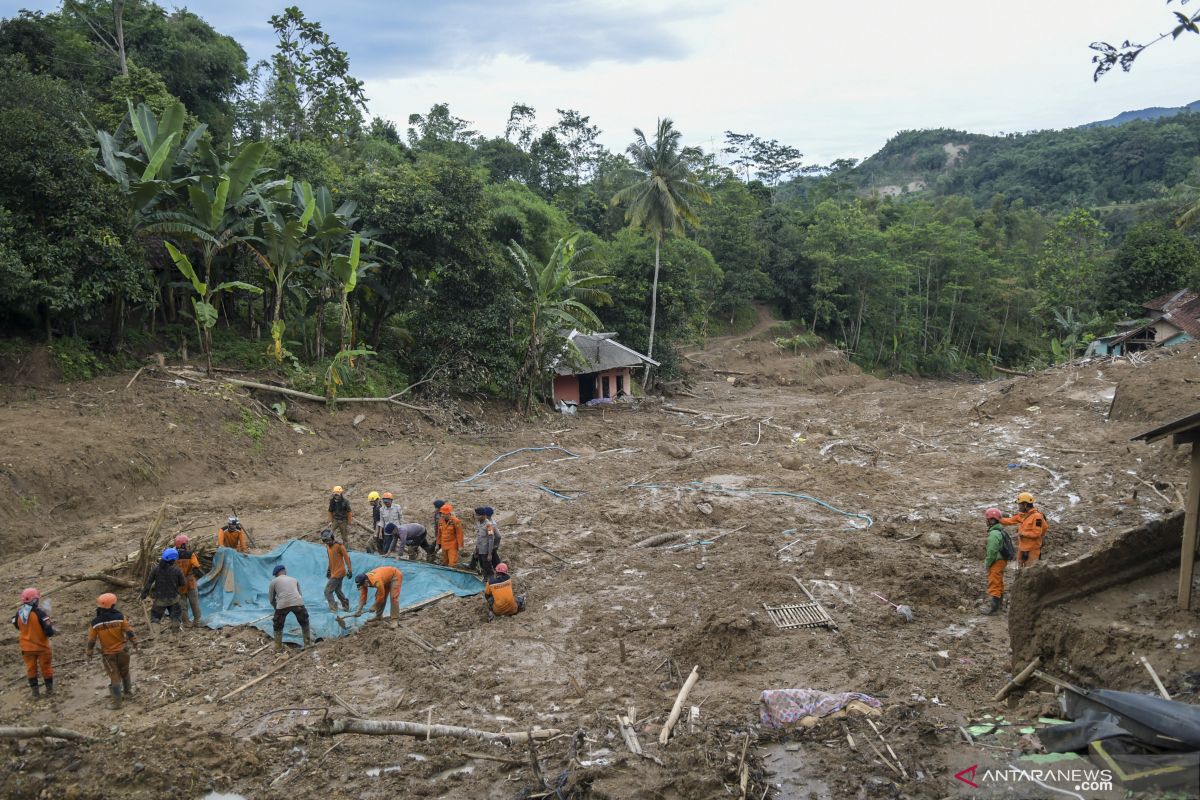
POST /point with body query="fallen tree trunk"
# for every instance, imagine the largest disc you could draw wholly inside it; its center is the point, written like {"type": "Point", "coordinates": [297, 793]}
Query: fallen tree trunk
{"type": "Point", "coordinates": [47, 731]}
{"type": "Point", "coordinates": [395, 727]}
{"type": "Point", "coordinates": [316, 398]}
{"type": "Point", "coordinates": [124, 583]}
{"type": "Point", "coordinates": [661, 538]}
{"type": "Point", "coordinates": [1011, 372]}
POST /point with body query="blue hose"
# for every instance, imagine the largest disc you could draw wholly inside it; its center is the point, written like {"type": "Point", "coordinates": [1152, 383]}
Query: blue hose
{"type": "Point", "coordinates": [513, 453]}
{"type": "Point", "coordinates": [697, 486]}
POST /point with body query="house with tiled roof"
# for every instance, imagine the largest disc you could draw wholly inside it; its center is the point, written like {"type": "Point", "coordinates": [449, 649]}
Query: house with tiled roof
{"type": "Point", "coordinates": [1172, 318]}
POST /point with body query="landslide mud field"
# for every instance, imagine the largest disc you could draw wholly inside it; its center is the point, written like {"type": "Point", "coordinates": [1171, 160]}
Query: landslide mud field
{"type": "Point", "coordinates": [902, 470]}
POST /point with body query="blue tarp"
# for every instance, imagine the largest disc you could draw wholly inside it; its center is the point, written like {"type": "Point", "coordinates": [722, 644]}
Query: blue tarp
{"type": "Point", "coordinates": [234, 592]}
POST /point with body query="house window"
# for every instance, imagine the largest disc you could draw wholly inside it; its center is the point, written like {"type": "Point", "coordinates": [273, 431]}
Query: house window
{"type": "Point", "coordinates": [605, 392]}
{"type": "Point", "coordinates": [620, 385]}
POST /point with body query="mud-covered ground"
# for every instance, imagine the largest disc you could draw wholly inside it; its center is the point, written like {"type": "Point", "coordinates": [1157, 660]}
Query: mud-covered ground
{"type": "Point", "coordinates": [610, 627]}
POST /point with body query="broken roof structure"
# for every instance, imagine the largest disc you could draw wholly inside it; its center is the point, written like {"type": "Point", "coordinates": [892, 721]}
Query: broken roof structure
{"type": "Point", "coordinates": [1185, 431]}
{"type": "Point", "coordinates": [1173, 318]}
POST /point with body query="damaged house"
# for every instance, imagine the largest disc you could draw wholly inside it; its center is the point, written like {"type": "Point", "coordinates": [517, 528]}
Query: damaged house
{"type": "Point", "coordinates": [1173, 318]}
{"type": "Point", "coordinates": [603, 368]}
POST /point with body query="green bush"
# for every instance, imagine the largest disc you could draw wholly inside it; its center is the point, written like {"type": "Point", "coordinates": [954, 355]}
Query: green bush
{"type": "Point", "coordinates": [75, 359]}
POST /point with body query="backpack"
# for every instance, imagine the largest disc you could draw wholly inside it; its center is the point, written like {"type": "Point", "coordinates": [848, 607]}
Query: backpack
{"type": "Point", "coordinates": [1007, 551]}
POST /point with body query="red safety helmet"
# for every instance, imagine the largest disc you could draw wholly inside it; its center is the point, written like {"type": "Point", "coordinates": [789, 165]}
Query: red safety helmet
{"type": "Point", "coordinates": [502, 568]}
{"type": "Point", "coordinates": [106, 600]}
{"type": "Point", "coordinates": [29, 595]}
{"type": "Point", "coordinates": [993, 513]}
{"type": "Point", "coordinates": [181, 540]}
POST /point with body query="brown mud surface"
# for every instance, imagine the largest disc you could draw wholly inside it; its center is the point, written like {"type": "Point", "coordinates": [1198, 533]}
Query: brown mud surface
{"type": "Point", "coordinates": [85, 466]}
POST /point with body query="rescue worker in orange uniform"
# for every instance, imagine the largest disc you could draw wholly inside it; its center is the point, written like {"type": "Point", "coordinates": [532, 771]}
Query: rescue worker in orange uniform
{"type": "Point", "coordinates": [1031, 530]}
{"type": "Point", "coordinates": [386, 581]}
{"type": "Point", "coordinates": [449, 532]}
{"type": "Point", "coordinates": [339, 567]}
{"type": "Point", "coordinates": [35, 628]}
{"type": "Point", "coordinates": [998, 551]}
{"type": "Point", "coordinates": [498, 591]}
{"type": "Point", "coordinates": [111, 629]}
{"type": "Point", "coordinates": [189, 565]}
{"type": "Point", "coordinates": [233, 535]}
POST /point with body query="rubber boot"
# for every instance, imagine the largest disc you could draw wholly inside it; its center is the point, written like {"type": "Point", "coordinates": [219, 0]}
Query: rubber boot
{"type": "Point", "coordinates": [115, 702]}
{"type": "Point", "coordinates": [307, 636]}
{"type": "Point", "coordinates": [49, 686]}
{"type": "Point", "coordinates": [33, 685]}
{"type": "Point", "coordinates": [395, 610]}
{"type": "Point", "coordinates": [128, 686]}
{"type": "Point", "coordinates": [278, 641]}
{"type": "Point", "coordinates": [431, 555]}
{"type": "Point", "coordinates": [333, 606]}
{"type": "Point", "coordinates": [345, 605]}
{"type": "Point", "coordinates": [411, 552]}
{"type": "Point", "coordinates": [993, 606]}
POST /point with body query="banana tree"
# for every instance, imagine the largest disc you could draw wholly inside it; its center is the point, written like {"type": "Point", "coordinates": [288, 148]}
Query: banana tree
{"type": "Point", "coordinates": [281, 242]}
{"type": "Point", "coordinates": [204, 310]}
{"type": "Point", "coordinates": [153, 163]}
{"type": "Point", "coordinates": [554, 299]}
{"type": "Point", "coordinates": [214, 219]}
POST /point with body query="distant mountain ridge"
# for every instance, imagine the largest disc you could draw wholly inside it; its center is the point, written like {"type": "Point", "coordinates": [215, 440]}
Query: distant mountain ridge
{"type": "Point", "coordinates": [1155, 112]}
{"type": "Point", "coordinates": [1095, 165]}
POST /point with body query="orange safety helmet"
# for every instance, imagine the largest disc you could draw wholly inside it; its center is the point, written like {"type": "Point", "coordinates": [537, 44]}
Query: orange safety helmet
{"type": "Point", "coordinates": [388, 496]}
{"type": "Point", "coordinates": [446, 508]}
{"type": "Point", "coordinates": [106, 600]}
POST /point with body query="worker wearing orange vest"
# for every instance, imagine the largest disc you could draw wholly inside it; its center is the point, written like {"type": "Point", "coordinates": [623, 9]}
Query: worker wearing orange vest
{"type": "Point", "coordinates": [111, 630]}
{"type": "Point", "coordinates": [1031, 530]}
{"type": "Point", "coordinates": [35, 628]}
{"type": "Point", "coordinates": [498, 591]}
{"type": "Point", "coordinates": [189, 565]}
{"type": "Point", "coordinates": [448, 532]}
{"type": "Point", "coordinates": [386, 581]}
{"type": "Point", "coordinates": [233, 535]}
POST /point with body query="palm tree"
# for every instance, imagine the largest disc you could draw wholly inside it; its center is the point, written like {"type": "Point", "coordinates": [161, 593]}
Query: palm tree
{"type": "Point", "coordinates": [554, 300]}
{"type": "Point", "coordinates": [659, 197]}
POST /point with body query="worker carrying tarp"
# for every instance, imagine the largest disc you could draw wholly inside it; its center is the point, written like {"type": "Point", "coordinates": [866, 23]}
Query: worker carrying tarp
{"type": "Point", "coordinates": [234, 592]}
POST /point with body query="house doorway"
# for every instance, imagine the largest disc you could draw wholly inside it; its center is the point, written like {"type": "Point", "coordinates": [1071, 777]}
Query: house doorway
{"type": "Point", "coordinates": [587, 387]}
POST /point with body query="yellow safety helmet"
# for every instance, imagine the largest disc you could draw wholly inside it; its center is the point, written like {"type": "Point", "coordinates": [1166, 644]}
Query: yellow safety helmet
{"type": "Point", "coordinates": [338, 490]}
{"type": "Point", "coordinates": [1025, 497]}
{"type": "Point", "coordinates": [372, 497]}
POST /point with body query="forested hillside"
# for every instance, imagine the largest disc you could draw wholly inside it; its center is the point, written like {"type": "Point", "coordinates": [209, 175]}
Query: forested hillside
{"type": "Point", "coordinates": [1089, 166]}
{"type": "Point", "coordinates": [159, 193]}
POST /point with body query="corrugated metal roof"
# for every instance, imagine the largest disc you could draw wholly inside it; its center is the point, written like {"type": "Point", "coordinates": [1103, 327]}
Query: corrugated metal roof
{"type": "Point", "coordinates": [600, 352]}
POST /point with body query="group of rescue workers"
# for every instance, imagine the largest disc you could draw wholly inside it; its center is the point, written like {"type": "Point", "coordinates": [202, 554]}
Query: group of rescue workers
{"type": "Point", "coordinates": [1031, 534]}
{"type": "Point", "coordinates": [171, 584]}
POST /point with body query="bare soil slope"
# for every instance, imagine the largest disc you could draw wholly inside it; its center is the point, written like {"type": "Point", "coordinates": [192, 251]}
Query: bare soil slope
{"type": "Point", "coordinates": [609, 626]}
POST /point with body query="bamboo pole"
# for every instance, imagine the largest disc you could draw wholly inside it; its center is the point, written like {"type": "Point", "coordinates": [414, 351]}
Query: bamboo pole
{"type": "Point", "coordinates": [1018, 680]}
{"type": "Point", "coordinates": [262, 677]}
{"type": "Point", "coordinates": [665, 733]}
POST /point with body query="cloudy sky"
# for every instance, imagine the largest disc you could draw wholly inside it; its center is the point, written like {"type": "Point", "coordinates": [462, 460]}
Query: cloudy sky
{"type": "Point", "coordinates": [832, 78]}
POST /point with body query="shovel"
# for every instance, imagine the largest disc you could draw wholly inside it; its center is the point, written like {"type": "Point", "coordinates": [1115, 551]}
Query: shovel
{"type": "Point", "coordinates": [903, 611]}
{"type": "Point", "coordinates": [341, 621]}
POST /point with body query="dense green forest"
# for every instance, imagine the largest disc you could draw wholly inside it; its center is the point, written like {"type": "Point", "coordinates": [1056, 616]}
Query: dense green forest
{"type": "Point", "coordinates": [158, 192]}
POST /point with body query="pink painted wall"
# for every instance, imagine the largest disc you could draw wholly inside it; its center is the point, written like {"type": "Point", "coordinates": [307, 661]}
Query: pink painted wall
{"type": "Point", "coordinates": [566, 387]}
